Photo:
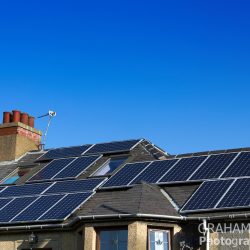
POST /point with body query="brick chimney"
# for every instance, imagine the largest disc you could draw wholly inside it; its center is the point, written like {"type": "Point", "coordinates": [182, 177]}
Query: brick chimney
{"type": "Point", "coordinates": [17, 135]}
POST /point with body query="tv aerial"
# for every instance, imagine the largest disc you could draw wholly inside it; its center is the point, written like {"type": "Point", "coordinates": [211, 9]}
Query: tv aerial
{"type": "Point", "coordinates": [50, 114]}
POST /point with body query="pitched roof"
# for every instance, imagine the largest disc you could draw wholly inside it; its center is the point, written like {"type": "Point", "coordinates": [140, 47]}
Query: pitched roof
{"type": "Point", "coordinates": [142, 198]}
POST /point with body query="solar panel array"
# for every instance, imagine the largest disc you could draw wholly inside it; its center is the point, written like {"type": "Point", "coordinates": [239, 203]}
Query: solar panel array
{"type": "Point", "coordinates": [45, 201]}
{"type": "Point", "coordinates": [65, 168]}
{"type": "Point", "coordinates": [240, 167]}
{"type": "Point", "coordinates": [207, 195]}
{"type": "Point", "coordinates": [100, 148]}
{"type": "Point", "coordinates": [221, 194]}
{"type": "Point", "coordinates": [126, 174]}
{"type": "Point", "coordinates": [185, 169]}
{"type": "Point", "coordinates": [214, 166]}
{"type": "Point", "coordinates": [64, 152]}
{"type": "Point", "coordinates": [112, 147]}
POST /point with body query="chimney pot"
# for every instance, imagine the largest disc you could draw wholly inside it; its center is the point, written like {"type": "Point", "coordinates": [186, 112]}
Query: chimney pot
{"type": "Point", "coordinates": [25, 118]}
{"type": "Point", "coordinates": [31, 121]}
{"type": "Point", "coordinates": [6, 117]}
{"type": "Point", "coordinates": [16, 116]}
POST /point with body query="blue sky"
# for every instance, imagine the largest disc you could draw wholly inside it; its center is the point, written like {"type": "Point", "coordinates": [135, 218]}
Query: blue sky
{"type": "Point", "coordinates": [175, 72]}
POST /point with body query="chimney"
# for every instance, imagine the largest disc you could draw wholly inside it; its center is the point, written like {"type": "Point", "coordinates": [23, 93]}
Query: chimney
{"type": "Point", "coordinates": [17, 135]}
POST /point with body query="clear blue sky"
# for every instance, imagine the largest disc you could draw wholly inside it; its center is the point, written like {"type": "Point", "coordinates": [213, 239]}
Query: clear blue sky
{"type": "Point", "coordinates": [175, 72]}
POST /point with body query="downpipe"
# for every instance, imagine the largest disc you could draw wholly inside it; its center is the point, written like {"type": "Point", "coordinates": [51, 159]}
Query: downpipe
{"type": "Point", "coordinates": [206, 229]}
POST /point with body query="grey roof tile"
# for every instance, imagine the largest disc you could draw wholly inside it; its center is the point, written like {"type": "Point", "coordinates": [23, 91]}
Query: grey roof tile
{"type": "Point", "coordinates": [142, 198]}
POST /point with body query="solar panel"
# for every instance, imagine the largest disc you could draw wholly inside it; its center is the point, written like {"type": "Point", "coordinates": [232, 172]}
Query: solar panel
{"type": "Point", "coordinates": [112, 147]}
{"type": "Point", "coordinates": [64, 152]}
{"type": "Point", "coordinates": [74, 186]}
{"type": "Point", "coordinates": [38, 208]}
{"type": "Point", "coordinates": [214, 166]}
{"type": "Point", "coordinates": [15, 207]}
{"type": "Point", "coordinates": [4, 202]}
{"type": "Point", "coordinates": [24, 190]}
{"type": "Point", "coordinates": [66, 206]}
{"type": "Point", "coordinates": [75, 168]}
{"type": "Point", "coordinates": [207, 195]}
{"type": "Point", "coordinates": [238, 195]}
{"type": "Point", "coordinates": [2, 187]}
{"type": "Point", "coordinates": [50, 170]}
{"type": "Point", "coordinates": [155, 171]}
{"type": "Point", "coordinates": [126, 174]}
{"type": "Point", "coordinates": [183, 169]}
{"type": "Point", "coordinates": [240, 167]}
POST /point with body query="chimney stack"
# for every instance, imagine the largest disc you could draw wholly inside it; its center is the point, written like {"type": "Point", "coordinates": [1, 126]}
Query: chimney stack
{"type": "Point", "coordinates": [18, 135]}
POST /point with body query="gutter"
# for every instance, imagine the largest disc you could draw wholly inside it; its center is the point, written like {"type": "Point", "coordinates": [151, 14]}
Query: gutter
{"type": "Point", "coordinates": [118, 216]}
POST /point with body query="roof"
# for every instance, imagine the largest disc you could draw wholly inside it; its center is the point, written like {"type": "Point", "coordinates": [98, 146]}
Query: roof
{"type": "Point", "coordinates": [140, 199]}
{"type": "Point", "coordinates": [147, 197]}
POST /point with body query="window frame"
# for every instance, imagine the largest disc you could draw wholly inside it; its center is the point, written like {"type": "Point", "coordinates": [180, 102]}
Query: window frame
{"type": "Point", "coordinates": [107, 162]}
{"type": "Point", "coordinates": [168, 230]}
{"type": "Point", "coordinates": [99, 229]}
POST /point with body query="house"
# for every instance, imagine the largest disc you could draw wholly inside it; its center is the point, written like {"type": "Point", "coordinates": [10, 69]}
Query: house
{"type": "Point", "coordinates": [119, 195]}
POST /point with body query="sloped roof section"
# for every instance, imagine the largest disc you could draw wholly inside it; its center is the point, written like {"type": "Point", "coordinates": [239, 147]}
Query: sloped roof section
{"type": "Point", "coordinates": [142, 198]}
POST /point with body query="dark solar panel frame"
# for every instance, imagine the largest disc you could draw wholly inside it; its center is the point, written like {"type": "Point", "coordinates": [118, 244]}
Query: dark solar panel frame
{"type": "Point", "coordinates": [64, 152]}
{"type": "Point", "coordinates": [15, 207]}
{"type": "Point", "coordinates": [66, 202]}
{"type": "Point", "coordinates": [238, 196]}
{"type": "Point", "coordinates": [113, 147]}
{"type": "Point", "coordinates": [239, 168]}
{"type": "Point", "coordinates": [127, 174]}
{"type": "Point", "coordinates": [75, 186]}
{"type": "Point", "coordinates": [71, 168]}
{"type": "Point", "coordinates": [154, 171]}
{"type": "Point", "coordinates": [207, 196]}
{"type": "Point", "coordinates": [213, 167]}
{"type": "Point", "coordinates": [5, 201]}
{"type": "Point", "coordinates": [51, 169]}
{"type": "Point", "coordinates": [40, 206]}
{"type": "Point", "coordinates": [178, 173]}
{"type": "Point", "coordinates": [29, 189]}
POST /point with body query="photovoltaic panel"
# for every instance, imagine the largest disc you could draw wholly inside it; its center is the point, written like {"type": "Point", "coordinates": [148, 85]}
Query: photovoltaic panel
{"type": "Point", "coordinates": [155, 171]}
{"type": "Point", "coordinates": [38, 208]}
{"type": "Point", "coordinates": [24, 190]}
{"type": "Point", "coordinates": [50, 170]}
{"type": "Point", "coordinates": [207, 195]}
{"type": "Point", "coordinates": [74, 186]}
{"type": "Point", "coordinates": [77, 167]}
{"type": "Point", "coordinates": [64, 152]}
{"type": "Point", "coordinates": [15, 207]}
{"type": "Point", "coordinates": [214, 166]}
{"type": "Point", "coordinates": [238, 195]}
{"type": "Point", "coordinates": [183, 169]}
{"type": "Point", "coordinates": [66, 206]}
{"type": "Point", "coordinates": [112, 147]}
{"type": "Point", "coordinates": [4, 202]}
{"type": "Point", "coordinates": [126, 174]}
{"type": "Point", "coordinates": [240, 167]}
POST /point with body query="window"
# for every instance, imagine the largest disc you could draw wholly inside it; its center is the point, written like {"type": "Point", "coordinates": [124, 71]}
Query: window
{"type": "Point", "coordinates": [110, 166]}
{"type": "Point", "coordinates": [159, 239]}
{"type": "Point", "coordinates": [110, 239]}
{"type": "Point", "coordinates": [11, 179]}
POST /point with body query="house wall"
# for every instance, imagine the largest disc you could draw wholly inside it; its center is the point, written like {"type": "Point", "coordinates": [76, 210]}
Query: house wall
{"type": "Point", "coordinates": [85, 237]}
{"type": "Point", "coordinates": [137, 233]}
{"type": "Point", "coordinates": [54, 240]}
